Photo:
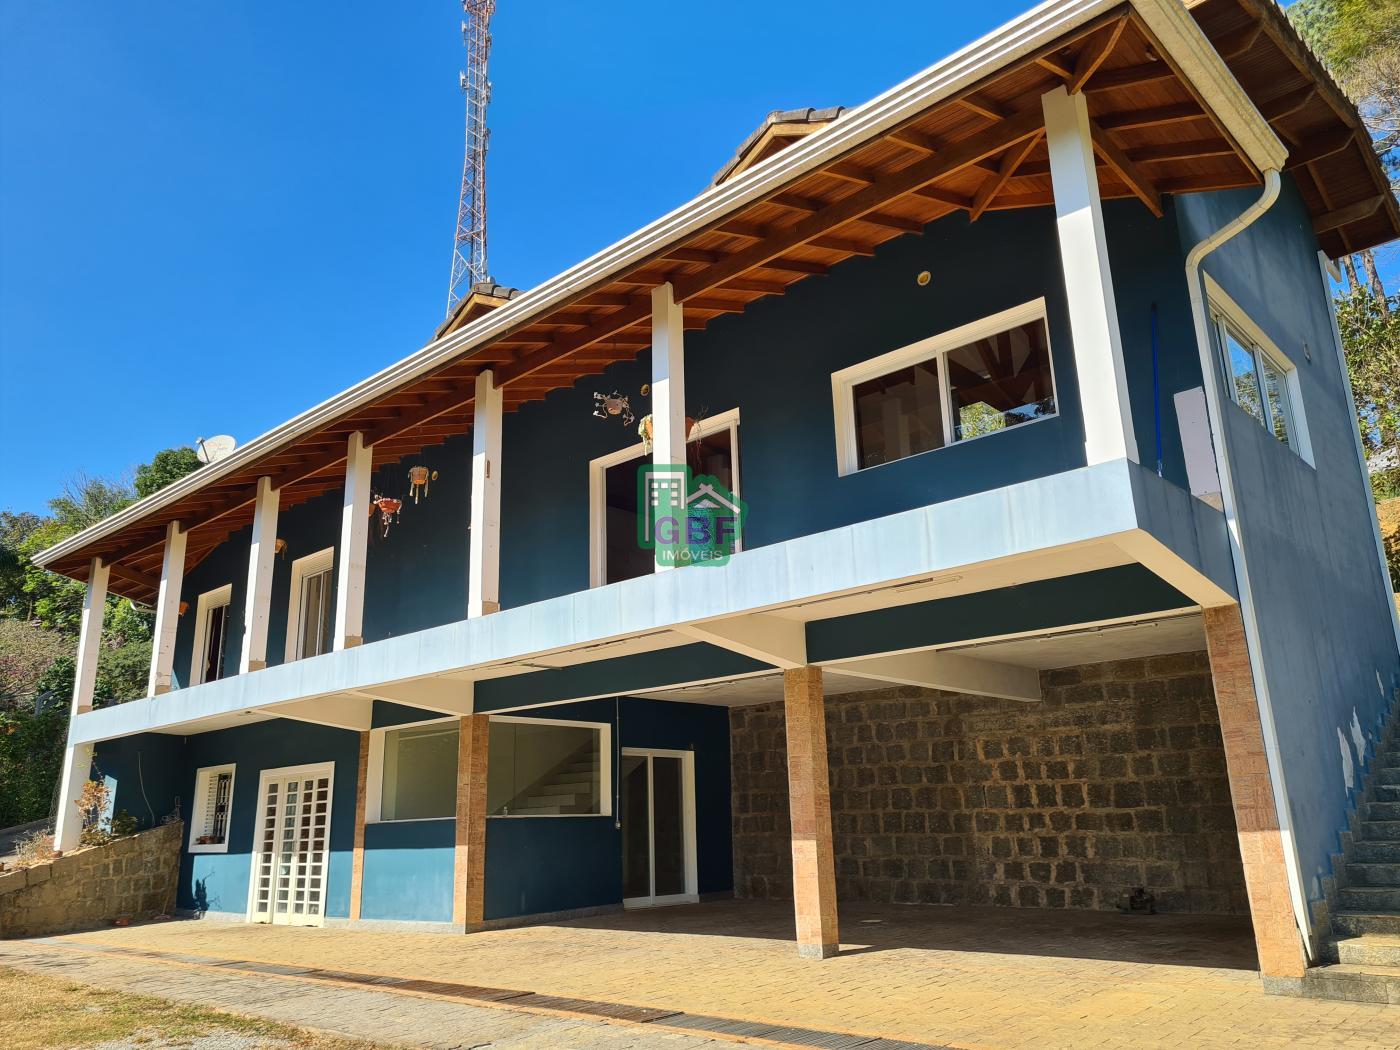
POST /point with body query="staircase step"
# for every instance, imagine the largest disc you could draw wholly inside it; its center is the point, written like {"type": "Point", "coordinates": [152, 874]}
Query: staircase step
{"type": "Point", "coordinates": [1363, 874]}
{"type": "Point", "coordinates": [1387, 792]}
{"type": "Point", "coordinates": [1381, 830]}
{"type": "Point", "coordinates": [1387, 774]}
{"type": "Point", "coordinates": [1367, 852]}
{"type": "Point", "coordinates": [1359, 923]}
{"type": "Point", "coordinates": [1368, 950]}
{"type": "Point", "coordinates": [1384, 811]}
{"type": "Point", "coordinates": [1354, 984]}
{"type": "Point", "coordinates": [1371, 898]}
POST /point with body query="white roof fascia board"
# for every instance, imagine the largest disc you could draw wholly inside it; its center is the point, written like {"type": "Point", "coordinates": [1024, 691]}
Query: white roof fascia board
{"type": "Point", "coordinates": [961, 70]}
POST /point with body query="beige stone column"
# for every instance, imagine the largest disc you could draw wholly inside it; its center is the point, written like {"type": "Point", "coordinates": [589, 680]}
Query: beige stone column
{"type": "Point", "coordinates": [357, 855]}
{"type": "Point", "coordinates": [469, 874]}
{"type": "Point", "coordinates": [1252, 791]}
{"type": "Point", "coordinates": [809, 794]}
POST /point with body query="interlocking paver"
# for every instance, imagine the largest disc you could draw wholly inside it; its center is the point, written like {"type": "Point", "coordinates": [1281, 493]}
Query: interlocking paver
{"type": "Point", "coordinates": [1005, 979]}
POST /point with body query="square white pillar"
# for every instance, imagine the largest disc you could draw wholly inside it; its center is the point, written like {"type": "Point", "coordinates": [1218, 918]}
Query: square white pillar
{"type": "Point", "coordinates": [90, 636]}
{"type": "Point", "coordinates": [668, 432]}
{"type": "Point", "coordinates": [261, 552]}
{"type": "Point", "coordinates": [172, 578]}
{"type": "Point", "coordinates": [354, 535]}
{"type": "Point", "coordinates": [77, 768]}
{"type": "Point", "coordinates": [484, 561]}
{"type": "Point", "coordinates": [1093, 314]}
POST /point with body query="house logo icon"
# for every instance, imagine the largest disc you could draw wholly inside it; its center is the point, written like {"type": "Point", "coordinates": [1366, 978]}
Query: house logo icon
{"type": "Point", "coordinates": [687, 519]}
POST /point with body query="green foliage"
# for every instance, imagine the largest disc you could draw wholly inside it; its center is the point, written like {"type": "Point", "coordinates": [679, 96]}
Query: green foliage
{"type": "Point", "coordinates": [1371, 342]}
{"type": "Point", "coordinates": [27, 650]}
{"type": "Point", "coordinates": [168, 466]}
{"type": "Point", "coordinates": [31, 758]}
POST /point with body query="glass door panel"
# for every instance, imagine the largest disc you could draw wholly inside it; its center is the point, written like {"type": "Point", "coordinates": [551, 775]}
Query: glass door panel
{"type": "Point", "coordinates": [657, 829]}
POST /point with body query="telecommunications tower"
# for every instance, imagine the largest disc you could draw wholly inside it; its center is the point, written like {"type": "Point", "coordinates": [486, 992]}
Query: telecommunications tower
{"type": "Point", "coordinates": [469, 246]}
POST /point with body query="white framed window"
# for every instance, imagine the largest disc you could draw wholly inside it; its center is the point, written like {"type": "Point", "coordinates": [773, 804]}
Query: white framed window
{"type": "Point", "coordinates": [1257, 375]}
{"type": "Point", "coordinates": [210, 635]}
{"type": "Point", "coordinates": [211, 809]}
{"type": "Point", "coordinates": [311, 615]}
{"type": "Point", "coordinates": [412, 772]}
{"type": "Point", "coordinates": [956, 386]}
{"type": "Point", "coordinates": [614, 551]}
{"type": "Point", "coordinates": [541, 767]}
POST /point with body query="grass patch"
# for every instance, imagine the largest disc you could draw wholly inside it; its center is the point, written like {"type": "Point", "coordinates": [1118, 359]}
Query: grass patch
{"type": "Point", "coordinates": [41, 1012]}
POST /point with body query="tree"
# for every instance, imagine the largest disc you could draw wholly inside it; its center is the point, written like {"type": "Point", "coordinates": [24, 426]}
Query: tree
{"type": "Point", "coordinates": [168, 466]}
{"type": "Point", "coordinates": [1371, 342]}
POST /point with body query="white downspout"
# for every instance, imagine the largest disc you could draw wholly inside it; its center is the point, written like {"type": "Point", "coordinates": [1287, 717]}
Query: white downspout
{"type": "Point", "coordinates": [1210, 374]}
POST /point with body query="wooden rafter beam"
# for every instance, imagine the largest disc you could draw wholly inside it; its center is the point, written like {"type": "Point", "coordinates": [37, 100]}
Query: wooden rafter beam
{"type": "Point", "coordinates": [1339, 217]}
{"type": "Point", "coordinates": [1095, 51]}
{"type": "Point", "coordinates": [1010, 161]}
{"type": "Point", "coordinates": [1155, 116]}
{"type": "Point", "coordinates": [955, 158]}
{"type": "Point", "coordinates": [1129, 76]}
{"type": "Point", "coordinates": [1125, 169]}
{"type": "Point", "coordinates": [1319, 147]}
{"type": "Point", "coordinates": [982, 105]}
{"type": "Point", "coordinates": [1287, 104]}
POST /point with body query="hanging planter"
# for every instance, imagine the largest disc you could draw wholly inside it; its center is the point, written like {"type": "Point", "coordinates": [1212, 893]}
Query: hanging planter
{"type": "Point", "coordinates": [644, 429]}
{"type": "Point", "coordinates": [388, 508]}
{"type": "Point", "coordinates": [418, 478]}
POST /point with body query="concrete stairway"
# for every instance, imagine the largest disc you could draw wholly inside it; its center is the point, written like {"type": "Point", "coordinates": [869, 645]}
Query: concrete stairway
{"type": "Point", "coordinates": [1364, 948]}
{"type": "Point", "coordinates": [568, 788]}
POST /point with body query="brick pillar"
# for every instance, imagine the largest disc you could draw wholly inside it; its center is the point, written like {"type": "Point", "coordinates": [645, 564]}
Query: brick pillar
{"type": "Point", "coordinates": [357, 855]}
{"type": "Point", "coordinates": [809, 794]}
{"type": "Point", "coordinates": [469, 875]}
{"type": "Point", "coordinates": [1252, 791]}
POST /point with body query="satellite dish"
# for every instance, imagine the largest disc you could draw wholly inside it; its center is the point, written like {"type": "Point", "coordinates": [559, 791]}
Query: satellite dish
{"type": "Point", "coordinates": [213, 449]}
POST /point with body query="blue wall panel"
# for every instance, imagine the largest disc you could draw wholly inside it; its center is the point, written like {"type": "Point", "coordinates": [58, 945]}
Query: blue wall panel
{"type": "Point", "coordinates": [1329, 651]}
{"type": "Point", "coordinates": [149, 769]}
{"type": "Point", "coordinates": [408, 870]}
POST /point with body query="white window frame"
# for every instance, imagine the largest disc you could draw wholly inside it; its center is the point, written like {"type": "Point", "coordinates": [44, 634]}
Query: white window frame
{"type": "Point", "coordinates": [198, 816]}
{"type": "Point", "coordinates": [691, 894]}
{"type": "Point", "coordinates": [307, 565]}
{"type": "Point", "coordinates": [208, 601]}
{"type": "Point", "coordinates": [844, 382]}
{"type": "Point", "coordinates": [597, 488]}
{"type": "Point", "coordinates": [374, 772]}
{"type": "Point", "coordinates": [605, 790]}
{"type": "Point", "coordinates": [1225, 312]}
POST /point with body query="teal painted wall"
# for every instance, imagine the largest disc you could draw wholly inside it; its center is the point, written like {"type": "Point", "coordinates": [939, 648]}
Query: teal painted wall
{"type": "Point", "coordinates": [1329, 651]}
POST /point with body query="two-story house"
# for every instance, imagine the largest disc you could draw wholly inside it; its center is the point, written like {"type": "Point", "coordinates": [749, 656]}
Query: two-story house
{"type": "Point", "coordinates": [1057, 577]}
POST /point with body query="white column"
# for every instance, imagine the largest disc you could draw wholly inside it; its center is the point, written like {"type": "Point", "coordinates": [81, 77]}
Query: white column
{"type": "Point", "coordinates": [77, 759]}
{"type": "Point", "coordinates": [172, 578]}
{"type": "Point", "coordinates": [484, 561]}
{"type": "Point", "coordinates": [260, 561]}
{"type": "Point", "coordinates": [1093, 315]}
{"type": "Point", "coordinates": [90, 637]}
{"type": "Point", "coordinates": [77, 767]}
{"type": "Point", "coordinates": [667, 387]}
{"type": "Point", "coordinates": [354, 533]}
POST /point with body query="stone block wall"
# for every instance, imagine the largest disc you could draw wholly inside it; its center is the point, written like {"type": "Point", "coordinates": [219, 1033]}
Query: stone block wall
{"type": "Point", "coordinates": [1117, 779]}
{"type": "Point", "coordinates": [129, 878]}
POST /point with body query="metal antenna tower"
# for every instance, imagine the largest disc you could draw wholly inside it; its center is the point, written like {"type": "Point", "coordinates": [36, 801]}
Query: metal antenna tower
{"type": "Point", "coordinates": [469, 247]}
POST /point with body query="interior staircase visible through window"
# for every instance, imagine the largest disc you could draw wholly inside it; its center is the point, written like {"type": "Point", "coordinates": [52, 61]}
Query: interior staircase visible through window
{"type": "Point", "coordinates": [569, 787]}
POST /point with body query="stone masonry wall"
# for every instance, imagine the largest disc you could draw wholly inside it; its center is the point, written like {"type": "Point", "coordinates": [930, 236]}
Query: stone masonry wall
{"type": "Point", "coordinates": [1115, 780]}
{"type": "Point", "coordinates": [129, 878]}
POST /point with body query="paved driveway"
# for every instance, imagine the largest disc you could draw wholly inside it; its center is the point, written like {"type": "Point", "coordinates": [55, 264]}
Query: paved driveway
{"type": "Point", "coordinates": [973, 978]}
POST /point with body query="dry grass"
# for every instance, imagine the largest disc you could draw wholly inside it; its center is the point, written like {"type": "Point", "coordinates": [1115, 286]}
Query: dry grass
{"type": "Point", "coordinates": [38, 1012]}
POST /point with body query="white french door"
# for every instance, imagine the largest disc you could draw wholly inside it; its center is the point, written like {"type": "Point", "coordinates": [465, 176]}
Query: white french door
{"type": "Point", "coordinates": [292, 846]}
{"type": "Point", "coordinates": [657, 802]}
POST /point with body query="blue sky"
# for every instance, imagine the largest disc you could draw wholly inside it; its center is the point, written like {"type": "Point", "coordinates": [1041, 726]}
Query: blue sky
{"type": "Point", "coordinates": [213, 216]}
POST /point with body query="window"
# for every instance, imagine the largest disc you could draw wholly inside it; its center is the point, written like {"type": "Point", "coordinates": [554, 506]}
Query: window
{"type": "Point", "coordinates": [210, 635]}
{"type": "Point", "coordinates": [964, 384]}
{"type": "Point", "coordinates": [419, 780]}
{"type": "Point", "coordinates": [1257, 376]}
{"type": "Point", "coordinates": [540, 768]}
{"type": "Point", "coordinates": [615, 553]}
{"type": "Point", "coordinates": [213, 802]}
{"type": "Point", "coordinates": [311, 618]}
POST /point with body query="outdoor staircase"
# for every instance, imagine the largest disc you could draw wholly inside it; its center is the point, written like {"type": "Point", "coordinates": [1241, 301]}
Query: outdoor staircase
{"type": "Point", "coordinates": [567, 788]}
{"type": "Point", "coordinates": [1364, 949]}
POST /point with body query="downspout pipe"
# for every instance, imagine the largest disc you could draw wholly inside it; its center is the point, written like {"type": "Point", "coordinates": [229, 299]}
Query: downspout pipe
{"type": "Point", "coordinates": [1211, 381]}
